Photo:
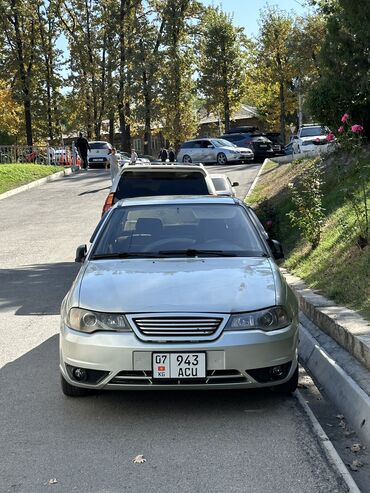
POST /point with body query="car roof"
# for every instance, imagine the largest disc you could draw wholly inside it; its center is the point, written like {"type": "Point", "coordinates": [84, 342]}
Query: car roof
{"type": "Point", "coordinates": [164, 167]}
{"type": "Point", "coordinates": [98, 142]}
{"type": "Point", "coordinates": [176, 200]}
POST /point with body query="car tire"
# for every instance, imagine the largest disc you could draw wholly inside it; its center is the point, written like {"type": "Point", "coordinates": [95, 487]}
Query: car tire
{"type": "Point", "coordinates": [72, 391]}
{"type": "Point", "coordinates": [221, 159]}
{"type": "Point", "coordinates": [187, 159]}
{"type": "Point", "coordinates": [290, 386]}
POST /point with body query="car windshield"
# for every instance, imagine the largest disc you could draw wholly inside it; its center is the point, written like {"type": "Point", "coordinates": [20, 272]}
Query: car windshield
{"type": "Point", "coordinates": [172, 230]}
{"type": "Point", "coordinates": [313, 131]}
{"type": "Point", "coordinates": [151, 183]}
{"type": "Point", "coordinates": [99, 145]}
{"type": "Point", "coordinates": [222, 143]}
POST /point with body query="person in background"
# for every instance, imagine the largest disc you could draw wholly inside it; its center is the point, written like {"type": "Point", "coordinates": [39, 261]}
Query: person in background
{"type": "Point", "coordinates": [163, 155]}
{"type": "Point", "coordinates": [171, 155]}
{"type": "Point", "coordinates": [114, 164]}
{"type": "Point", "coordinates": [134, 156]}
{"type": "Point", "coordinates": [83, 147]}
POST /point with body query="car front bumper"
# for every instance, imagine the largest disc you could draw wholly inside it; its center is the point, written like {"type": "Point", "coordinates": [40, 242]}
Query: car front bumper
{"type": "Point", "coordinates": [125, 362]}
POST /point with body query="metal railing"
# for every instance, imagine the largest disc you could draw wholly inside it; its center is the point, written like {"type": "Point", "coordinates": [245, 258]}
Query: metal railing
{"type": "Point", "coordinates": [58, 156]}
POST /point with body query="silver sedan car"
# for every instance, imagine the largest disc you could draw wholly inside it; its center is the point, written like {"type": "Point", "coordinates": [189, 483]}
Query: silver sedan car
{"type": "Point", "coordinates": [179, 293]}
{"type": "Point", "coordinates": [218, 151]}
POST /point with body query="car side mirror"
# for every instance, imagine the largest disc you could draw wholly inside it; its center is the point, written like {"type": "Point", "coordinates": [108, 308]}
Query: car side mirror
{"type": "Point", "coordinates": [276, 249]}
{"type": "Point", "coordinates": [209, 146]}
{"type": "Point", "coordinates": [81, 253]}
{"type": "Point", "coordinates": [235, 184]}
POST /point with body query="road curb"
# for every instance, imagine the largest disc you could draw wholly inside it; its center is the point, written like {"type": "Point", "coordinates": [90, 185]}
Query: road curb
{"type": "Point", "coordinates": [345, 326]}
{"type": "Point", "coordinates": [329, 450]}
{"type": "Point", "coordinates": [252, 187]}
{"type": "Point", "coordinates": [36, 183]}
{"type": "Point", "coordinates": [341, 389]}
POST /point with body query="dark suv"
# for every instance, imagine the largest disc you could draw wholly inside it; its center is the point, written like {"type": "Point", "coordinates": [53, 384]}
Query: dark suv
{"type": "Point", "coordinates": [254, 139]}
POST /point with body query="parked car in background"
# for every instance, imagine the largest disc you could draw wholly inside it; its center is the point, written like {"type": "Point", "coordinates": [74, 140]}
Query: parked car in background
{"type": "Point", "coordinates": [179, 293]}
{"type": "Point", "coordinates": [218, 151]}
{"type": "Point", "coordinates": [277, 144]}
{"type": "Point", "coordinates": [223, 185]}
{"type": "Point", "coordinates": [311, 138]}
{"type": "Point", "coordinates": [159, 179]}
{"type": "Point", "coordinates": [98, 155]}
{"type": "Point", "coordinates": [253, 139]}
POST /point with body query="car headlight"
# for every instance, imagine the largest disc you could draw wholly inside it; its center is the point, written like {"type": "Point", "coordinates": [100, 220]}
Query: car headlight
{"type": "Point", "coordinates": [269, 319]}
{"type": "Point", "coordinates": [89, 321]}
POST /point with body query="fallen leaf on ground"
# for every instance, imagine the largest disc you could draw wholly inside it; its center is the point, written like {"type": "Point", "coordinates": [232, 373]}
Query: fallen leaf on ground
{"type": "Point", "coordinates": [356, 447]}
{"type": "Point", "coordinates": [328, 424]}
{"type": "Point", "coordinates": [52, 481]}
{"type": "Point", "coordinates": [139, 459]}
{"type": "Point", "coordinates": [342, 424]}
{"type": "Point", "coordinates": [355, 465]}
{"type": "Point", "coordinates": [339, 416]}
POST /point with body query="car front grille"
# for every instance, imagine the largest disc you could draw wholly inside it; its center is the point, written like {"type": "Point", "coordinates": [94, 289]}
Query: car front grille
{"type": "Point", "coordinates": [144, 378]}
{"type": "Point", "coordinates": [174, 327]}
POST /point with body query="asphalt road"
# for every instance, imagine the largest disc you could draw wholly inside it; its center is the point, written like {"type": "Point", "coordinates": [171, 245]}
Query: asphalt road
{"type": "Point", "coordinates": [250, 442]}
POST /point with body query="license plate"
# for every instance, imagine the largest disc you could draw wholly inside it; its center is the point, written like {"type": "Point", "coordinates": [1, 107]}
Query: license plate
{"type": "Point", "coordinates": [179, 365]}
{"type": "Point", "coordinates": [97, 159]}
{"type": "Point", "coordinates": [263, 146]}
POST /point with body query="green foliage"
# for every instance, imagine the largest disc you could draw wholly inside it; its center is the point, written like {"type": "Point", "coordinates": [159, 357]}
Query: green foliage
{"type": "Point", "coordinates": [222, 64]}
{"type": "Point", "coordinates": [344, 85]}
{"type": "Point", "coordinates": [307, 195]}
{"type": "Point", "coordinates": [15, 175]}
{"type": "Point", "coordinates": [336, 258]}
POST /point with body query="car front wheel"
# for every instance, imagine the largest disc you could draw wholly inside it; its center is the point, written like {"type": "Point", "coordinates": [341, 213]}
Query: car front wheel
{"type": "Point", "coordinates": [186, 159]}
{"type": "Point", "coordinates": [72, 391]}
{"type": "Point", "coordinates": [221, 159]}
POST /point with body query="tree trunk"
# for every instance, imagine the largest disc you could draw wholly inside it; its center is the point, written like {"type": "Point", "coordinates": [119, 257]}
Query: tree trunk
{"type": "Point", "coordinates": [28, 116]}
{"type": "Point", "coordinates": [111, 130]}
{"type": "Point", "coordinates": [282, 110]}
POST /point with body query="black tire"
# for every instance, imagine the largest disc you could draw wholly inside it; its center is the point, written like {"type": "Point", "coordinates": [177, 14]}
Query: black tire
{"type": "Point", "coordinates": [187, 159]}
{"type": "Point", "coordinates": [72, 391]}
{"type": "Point", "coordinates": [221, 159]}
{"type": "Point", "coordinates": [290, 386]}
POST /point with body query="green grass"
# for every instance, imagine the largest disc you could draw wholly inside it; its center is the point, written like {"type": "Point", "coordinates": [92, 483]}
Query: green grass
{"type": "Point", "coordinates": [337, 268]}
{"type": "Point", "coordinates": [15, 175]}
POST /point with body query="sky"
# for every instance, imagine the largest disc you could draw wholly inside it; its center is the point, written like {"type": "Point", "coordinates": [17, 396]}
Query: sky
{"type": "Point", "coordinates": [246, 12]}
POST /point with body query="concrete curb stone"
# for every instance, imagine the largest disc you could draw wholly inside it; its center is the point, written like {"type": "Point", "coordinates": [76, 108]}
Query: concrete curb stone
{"type": "Point", "coordinates": [36, 183]}
{"type": "Point", "coordinates": [345, 326]}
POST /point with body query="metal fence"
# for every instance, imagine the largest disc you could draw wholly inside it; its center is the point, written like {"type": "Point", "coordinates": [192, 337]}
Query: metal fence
{"type": "Point", "coordinates": [58, 156]}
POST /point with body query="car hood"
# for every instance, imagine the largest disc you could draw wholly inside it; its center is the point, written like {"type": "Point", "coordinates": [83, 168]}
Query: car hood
{"type": "Point", "coordinates": [178, 285]}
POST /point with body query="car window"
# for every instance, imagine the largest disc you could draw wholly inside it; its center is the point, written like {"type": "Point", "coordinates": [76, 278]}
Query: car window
{"type": "Point", "coordinates": [220, 184]}
{"type": "Point", "coordinates": [170, 228]}
{"type": "Point", "coordinates": [99, 145]}
{"type": "Point", "coordinates": [313, 131]}
{"type": "Point", "coordinates": [233, 138]}
{"type": "Point", "coordinates": [222, 143]}
{"type": "Point", "coordinates": [188, 145]}
{"type": "Point", "coordinates": [146, 184]}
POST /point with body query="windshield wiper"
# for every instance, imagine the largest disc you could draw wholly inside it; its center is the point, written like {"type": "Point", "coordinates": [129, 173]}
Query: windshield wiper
{"type": "Point", "coordinates": [191, 252]}
{"type": "Point", "coordinates": [100, 256]}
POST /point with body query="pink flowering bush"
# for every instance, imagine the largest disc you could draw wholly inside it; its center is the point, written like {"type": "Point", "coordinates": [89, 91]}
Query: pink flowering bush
{"type": "Point", "coordinates": [350, 139]}
{"type": "Point", "coordinates": [330, 137]}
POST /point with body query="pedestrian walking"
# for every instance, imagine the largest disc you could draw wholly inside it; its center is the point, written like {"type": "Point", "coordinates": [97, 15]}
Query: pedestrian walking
{"type": "Point", "coordinates": [83, 147]}
{"type": "Point", "coordinates": [171, 155]}
{"type": "Point", "coordinates": [114, 163]}
{"type": "Point", "coordinates": [134, 156]}
{"type": "Point", "coordinates": [163, 155]}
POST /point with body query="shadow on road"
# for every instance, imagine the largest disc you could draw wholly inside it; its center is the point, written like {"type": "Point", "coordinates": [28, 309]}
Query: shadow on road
{"type": "Point", "coordinates": [93, 191]}
{"type": "Point", "coordinates": [36, 289]}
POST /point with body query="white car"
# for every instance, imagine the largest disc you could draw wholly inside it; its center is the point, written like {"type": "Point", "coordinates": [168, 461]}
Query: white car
{"type": "Point", "coordinates": [310, 139]}
{"type": "Point", "coordinates": [218, 151]}
{"type": "Point", "coordinates": [98, 154]}
{"type": "Point", "coordinates": [224, 186]}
